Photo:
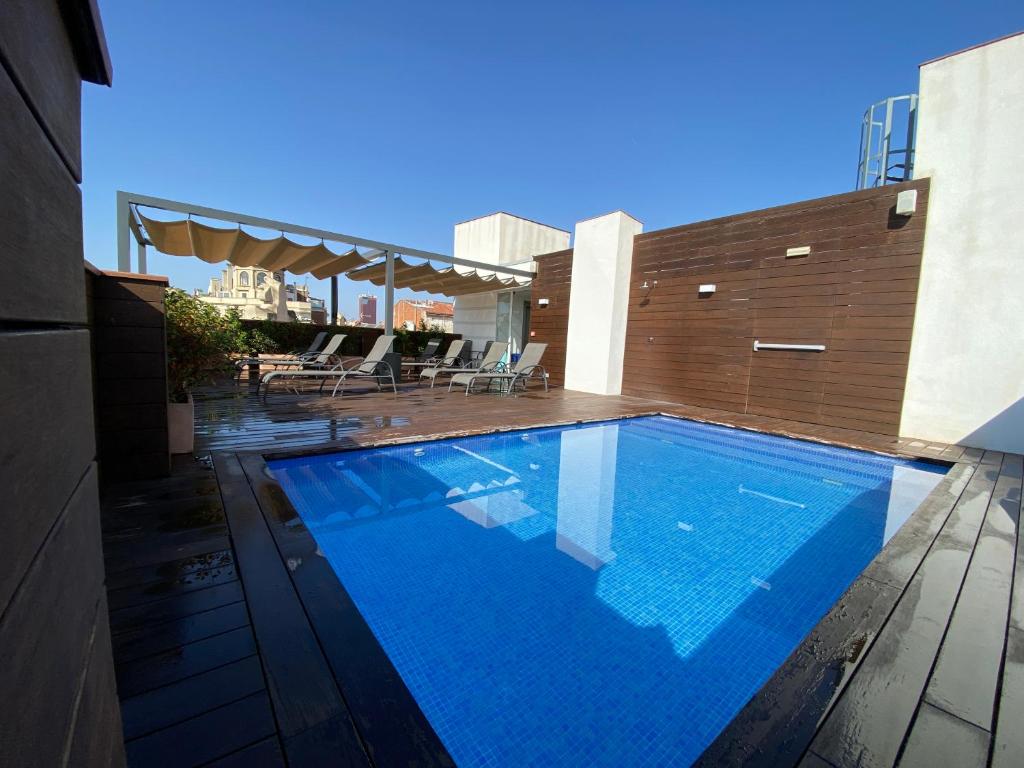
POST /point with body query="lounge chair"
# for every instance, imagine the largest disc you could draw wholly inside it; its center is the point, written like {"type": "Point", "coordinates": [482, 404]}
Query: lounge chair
{"type": "Point", "coordinates": [309, 355]}
{"type": "Point", "coordinates": [373, 366]}
{"type": "Point", "coordinates": [491, 362]}
{"type": "Point", "coordinates": [427, 357]}
{"type": "Point", "coordinates": [527, 367]}
{"type": "Point", "coordinates": [452, 358]}
{"type": "Point", "coordinates": [328, 358]}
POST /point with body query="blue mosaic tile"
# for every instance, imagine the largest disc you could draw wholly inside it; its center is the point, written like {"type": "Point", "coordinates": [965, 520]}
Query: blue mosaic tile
{"type": "Point", "coordinates": [608, 594]}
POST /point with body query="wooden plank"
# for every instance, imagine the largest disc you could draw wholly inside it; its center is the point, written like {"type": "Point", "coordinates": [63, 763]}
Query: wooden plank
{"type": "Point", "coordinates": [152, 639]}
{"type": "Point", "coordinates": [43, 668]}
{"type": "Point", "coordinates": [939, 738]}
{"type": "Point", "coordinates": [1008, 744]}
{"type": "Point", "coordinates": [44, 417]}
{"type": "Point", "coordinates": [97, 739]}
{"type": "Point", "coordinates": [778, 723]}
{"type": "Point", "coordinates": [301, 686]}
{"type": "Point", "coordinates": [262, 754]}
{"type": "Point", "coordinates": [392, 726]}
{"type": "Point", "coordinates": [40, 212]}
{"type": "Point", "coordinates": [175, 607]}
{"type": "Point", "coordinates": [966, 676]}
{"type": "Point", "coordinates": [202, 739]}
{"type": "Point", "coordinates": [39, 56]}
{"type": "Point", "coordinates": [149, 592]}
{"type": "Point", "coordinates": [868, 724]}
{"type": "Point", "coordinates": [150, 672]}
{"type": "Point", "coordinates": [190, 697]}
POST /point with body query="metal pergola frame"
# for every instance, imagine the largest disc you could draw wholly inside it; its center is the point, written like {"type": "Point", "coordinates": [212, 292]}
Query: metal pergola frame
{"type": "Point", "coordinates": [128, 226]}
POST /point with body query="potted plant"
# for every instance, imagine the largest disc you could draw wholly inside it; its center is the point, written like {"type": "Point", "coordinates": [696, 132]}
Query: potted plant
{"type": "Point", "coordinates": [200, 342]}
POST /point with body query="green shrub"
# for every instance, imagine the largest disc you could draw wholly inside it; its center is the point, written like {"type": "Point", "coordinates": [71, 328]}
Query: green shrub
{"type": "Point", "coordinates": [200, 342]}
{"type": "Point", "coordinates": [295, 336]}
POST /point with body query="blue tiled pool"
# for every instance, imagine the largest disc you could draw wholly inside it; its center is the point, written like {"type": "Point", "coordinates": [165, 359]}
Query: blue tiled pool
{"type": "Point", "coordinates": [604, 594]}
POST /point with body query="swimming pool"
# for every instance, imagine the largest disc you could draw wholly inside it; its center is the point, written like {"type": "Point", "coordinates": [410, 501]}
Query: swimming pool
{"type": "Point", "coordinates": [600, 594]}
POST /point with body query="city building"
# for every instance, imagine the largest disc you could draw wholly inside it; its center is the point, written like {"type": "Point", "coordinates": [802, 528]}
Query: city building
{"type": "Point", "coordinates": [253, 292]}
{"type": "Point", "coordinates": [418, 313]}
{"type": "Point", "coordinates": [367, 309]}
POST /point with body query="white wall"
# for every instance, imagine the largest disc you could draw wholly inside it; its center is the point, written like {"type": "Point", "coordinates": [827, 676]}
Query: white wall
{"type": "Point", "coordinates": [500, 238]}
{"type": "Point", "coordinates": [475, 318]}
{"type": "Point", "coordinates": [599, 303]}
{"type": "Point", "coordinates": [966, 376]}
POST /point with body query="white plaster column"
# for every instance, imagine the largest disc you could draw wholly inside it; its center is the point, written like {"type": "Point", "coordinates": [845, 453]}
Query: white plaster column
{"type": "Point", "coordinates": [599, 303]}
{"type": "Point", "coordinates": [965, 382]}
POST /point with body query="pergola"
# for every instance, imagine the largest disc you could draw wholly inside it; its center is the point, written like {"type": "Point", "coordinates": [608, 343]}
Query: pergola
{"type": "Point", "coordinates": [380, 263]}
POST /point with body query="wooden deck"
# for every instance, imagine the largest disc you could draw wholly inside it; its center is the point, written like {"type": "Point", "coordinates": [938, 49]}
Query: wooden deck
{"type": "Point", "coordinates": [922, 661]}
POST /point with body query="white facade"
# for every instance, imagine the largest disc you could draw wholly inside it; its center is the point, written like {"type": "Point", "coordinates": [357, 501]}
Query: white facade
{"type": "Point", "coordinates": [254, 293]}
{"type": "Point", "coordinates": [965, 382]}
{"type": "Point", "coordinates": [599, 303]}
{"type": "Point", "coordinates": [500, 239]}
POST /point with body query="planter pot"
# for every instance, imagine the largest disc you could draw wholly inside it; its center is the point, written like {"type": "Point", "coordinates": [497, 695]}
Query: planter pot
{"type": "Point", "coordinates": [181, 426]}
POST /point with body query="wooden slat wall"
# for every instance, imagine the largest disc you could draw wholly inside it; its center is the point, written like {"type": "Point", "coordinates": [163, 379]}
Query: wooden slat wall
{"type": "Point", "coordinates": [855, 293]}
{"type": "Point", "coordinates": [550, 324]}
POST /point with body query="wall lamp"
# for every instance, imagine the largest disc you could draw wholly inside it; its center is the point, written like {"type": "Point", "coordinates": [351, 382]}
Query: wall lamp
{"type": "Point", "coordinates": [542, 302]}
{"type": "Point", "coordinates": [649, 285]}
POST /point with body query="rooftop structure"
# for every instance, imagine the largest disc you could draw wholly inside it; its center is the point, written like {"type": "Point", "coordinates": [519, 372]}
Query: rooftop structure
{"type": "Point", "coordinates": [827, 473]}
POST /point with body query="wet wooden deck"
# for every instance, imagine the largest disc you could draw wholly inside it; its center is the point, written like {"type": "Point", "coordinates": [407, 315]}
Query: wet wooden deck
{"type": "Point", "coordinates": [921, 662]}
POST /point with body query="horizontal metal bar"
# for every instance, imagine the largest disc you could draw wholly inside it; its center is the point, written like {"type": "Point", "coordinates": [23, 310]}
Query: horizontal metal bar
{"type": "Point", "coordinates": [254, 221]}
{"type": "Point", "coordinates": [758, 345]}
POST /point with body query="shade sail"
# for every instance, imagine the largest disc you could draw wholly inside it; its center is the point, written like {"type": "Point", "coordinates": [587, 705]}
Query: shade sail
{"type": "Point", "coordinates": [424, 277]}
{"type": "Point", "coordinates": [215, 244]}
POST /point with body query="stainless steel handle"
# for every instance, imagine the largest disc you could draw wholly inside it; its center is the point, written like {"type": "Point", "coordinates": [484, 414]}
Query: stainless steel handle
{"type": "Point", "coordinates": [759, 345]}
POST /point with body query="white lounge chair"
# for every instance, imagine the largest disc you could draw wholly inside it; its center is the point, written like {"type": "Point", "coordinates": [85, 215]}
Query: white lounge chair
{"type": "Point", "coordinates": [425, 358]}
{"type": "Point", "coordinates": [527, 367]}
{"type": "Point", "coordinates": [490, 362]}
{"type": "Point", "coordinates": [328, 358]}
{"type": "Point", "coordinates": [452, 358]}
{"type": "Point", "coordinates": [310, 355]}
{"type": "Point", "coordinates": [373, 366]}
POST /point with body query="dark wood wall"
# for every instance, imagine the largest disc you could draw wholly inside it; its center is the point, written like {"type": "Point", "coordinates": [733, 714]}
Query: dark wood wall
{"type": "Point", "coordinates": [58, 701]}
{"type": "Point", "coordinates": [550, 324]}
{"type": "Point", "coordinates": [128, 321]}
{"type": "Point", "coordinates": [855, 293]}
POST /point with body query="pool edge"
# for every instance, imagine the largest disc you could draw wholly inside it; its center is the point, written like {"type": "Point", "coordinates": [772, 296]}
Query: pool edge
{"type": "Point", "coordinates": [764, 731]}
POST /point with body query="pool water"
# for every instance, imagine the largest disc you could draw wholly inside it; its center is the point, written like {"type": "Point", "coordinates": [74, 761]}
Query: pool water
{"type": "Point", "coordinates": [605, 594]}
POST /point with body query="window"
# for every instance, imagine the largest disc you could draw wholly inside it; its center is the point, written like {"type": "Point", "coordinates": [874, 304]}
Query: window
{"type": "Point", "coordinates": [261, 279]}
{"type": "Point", "coordinates": [243, 279]}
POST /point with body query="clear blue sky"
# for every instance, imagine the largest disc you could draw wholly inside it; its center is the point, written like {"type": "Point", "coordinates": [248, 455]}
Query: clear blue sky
{"type": "Point", "coordinates": [397, 120]}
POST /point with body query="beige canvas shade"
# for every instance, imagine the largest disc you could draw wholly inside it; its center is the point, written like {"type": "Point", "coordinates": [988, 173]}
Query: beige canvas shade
{"type": "Point", "coordinates": [424, 277]}
{"type": "Point", "coordinates": [216, 244]}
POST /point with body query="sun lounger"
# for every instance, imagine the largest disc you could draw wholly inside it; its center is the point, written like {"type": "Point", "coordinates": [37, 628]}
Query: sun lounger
{"type": "Point", "coordinates": [492, 361]}
{"type": "Point", "coordinates": [452, 358]}
{"type": "Point", "coordinates": [310, 355]}
{"type": "Point", "coordinates": [373, 366]}
{"type": "Point", "coordinates": [527, 367]}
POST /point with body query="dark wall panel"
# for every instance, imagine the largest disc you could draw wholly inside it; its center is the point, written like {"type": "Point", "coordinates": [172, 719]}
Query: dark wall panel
{"type": "Point", "coordinates": [550, 324]}
{"type": "Point", "coordinates": [40, 221]}
{"type": "Point", "coordinates": [47, 441]}
{"type": "Point", "coordinates": [39, 55]}
{"type": "Point", "coordinates": [855, 293]}
{"type": "Point", "coordinates": [57, 691]}
{"type": "Point", "coordinates": [127, 312]}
